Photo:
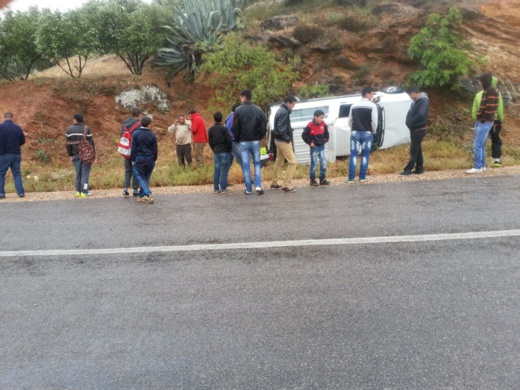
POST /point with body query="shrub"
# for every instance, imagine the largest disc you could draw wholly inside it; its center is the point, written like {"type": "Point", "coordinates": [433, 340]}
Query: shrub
{"type": "Point", "coordinates": [352, 3]}
{"type": "Point", "coordinates": [289, 3]}
{"type": "Point", "coordinates": [313, 91]}
{"type": "Point", "coordinates": [306, 33]}
{"type": "Point", "coordinates": [42, 156]}
{"type": "Point", "coordinates": [440, 51]}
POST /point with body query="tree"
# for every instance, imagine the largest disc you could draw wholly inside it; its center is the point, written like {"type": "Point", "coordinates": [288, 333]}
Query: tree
{"type": "Point", "coordinates": [64, 36]}
{"type": "Point", "coordinates": [130, 29]}
{"type": "Point", "coordinates": [440, 51]}
{"type": "Point", "coordinates": [197, 27]}
{"type": "Point", "coordinates": [18, 50]}
{"type": "Point", "coordinates": [239, 65]}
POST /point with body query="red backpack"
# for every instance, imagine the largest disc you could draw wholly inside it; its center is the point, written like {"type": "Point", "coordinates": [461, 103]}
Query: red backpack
{"type": "Point", "coordinates": [124, 147]}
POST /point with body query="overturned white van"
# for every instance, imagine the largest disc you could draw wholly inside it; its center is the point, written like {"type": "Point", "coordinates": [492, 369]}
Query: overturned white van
{"type": "Point", "coordinates": [392, 130]}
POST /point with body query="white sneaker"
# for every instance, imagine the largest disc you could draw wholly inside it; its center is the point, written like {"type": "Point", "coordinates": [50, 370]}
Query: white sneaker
{"type": "Point", "coordinates": [475, 170]}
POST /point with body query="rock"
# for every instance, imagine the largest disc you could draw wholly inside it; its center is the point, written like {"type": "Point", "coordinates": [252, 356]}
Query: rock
{"type": "Point", "coordinates": [395, 10]}
{"type": "Point", "coordinates": [344, 62]}
{"type": "Point", "coordinates": [279, 22]}
{"type": "Point", "coordinates": [470, 14]}
{"type": "Point", "coordinates": [282, 41]}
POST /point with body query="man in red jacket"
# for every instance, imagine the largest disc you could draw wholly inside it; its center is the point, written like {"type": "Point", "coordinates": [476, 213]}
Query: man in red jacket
{"type": "Point", "coordinates": [200, 137]}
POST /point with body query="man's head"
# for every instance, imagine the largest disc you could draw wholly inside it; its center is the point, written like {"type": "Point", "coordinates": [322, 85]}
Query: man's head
{"type": "Point", "coordinates": [136, 112]}
{"type": "Point", "coordinates": [218, 117]}
{"type": "Point", "coordinates": [367, 92]}
{"type": "Point", "coordinates": [191, 113]}
{"type": "Point", "coordinates": [78, 118]}
{"type": "Point", "coordinates": [318, 116]}
{"type": "Point", "coordinates": [181, 119]}
{"type": "Point", "coordinates": [8, 115]}
{"type": "Point", "coordinates": [235, 106]}
{"type": "Point", "coordinates": [485, 80]}
{"type": "Point", "coordinates": [245, 95]}
{"type": "Point", "coordinates": [146, 121]}
{"type": "Point", "coordinates": [290, 101]}
{"type": "Point", "coordinates": [414, 92]}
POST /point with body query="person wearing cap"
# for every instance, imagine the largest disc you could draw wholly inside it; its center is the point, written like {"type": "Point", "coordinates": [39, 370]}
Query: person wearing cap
{"type": "Point", "coordinates": [416, 120]}
{"type": "Point", "coordinates": [283, 139]}
{"type": "Point", "coordinates": [363, 121]}
{"type": "Point", "coordinates": [316, 135]}
{"type": "Point", "coordinates": [485, 119]}
{"type": "Point", "coordinates": [494, 133]}
{"type": "Point", "coordinates": [74, 136]}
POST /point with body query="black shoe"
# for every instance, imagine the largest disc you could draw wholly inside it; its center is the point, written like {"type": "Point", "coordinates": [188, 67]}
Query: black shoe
{"type": "Point", "coordinates": [324, 182]}
{"type": "Point", "coordinates": [126, 194]}
{"type": "Point", "coordinates": [288, 189]}
{"type": "Point", "coordinates": [2, 196]}
{"type": "Point", "coordinates": [21, 195]}
{"type": "Point", "coordinates": [275, 186]}
{"type": "Point", "coordinates": [418, 171]}
{"type": "Point", "coordinates": [135, 194]}
{"type": "Point", "coordinates": [314, 183]}
{"type": "Point", "coordinates": [405, 173]}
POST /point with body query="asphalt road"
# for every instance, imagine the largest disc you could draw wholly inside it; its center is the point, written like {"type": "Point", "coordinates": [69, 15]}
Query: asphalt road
{"type": "Point", "coordinates": [435, 314]}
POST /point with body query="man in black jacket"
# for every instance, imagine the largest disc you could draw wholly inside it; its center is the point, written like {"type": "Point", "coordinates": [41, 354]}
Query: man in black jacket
{"type": "Point", "coordinates": [144, 156]}
{"type": "Point", "coordinates": [11, 139]}
{"type": "Point", "coordinates": [283, 138]}
{"type": "Point", "coordinates": [416, 120]}
{"type": "Point", "coordinates": [220, 144]}
{"type": "Point", "coordinates": [249, 127]}
{"type": "Point", "coordinates": [74, 137]}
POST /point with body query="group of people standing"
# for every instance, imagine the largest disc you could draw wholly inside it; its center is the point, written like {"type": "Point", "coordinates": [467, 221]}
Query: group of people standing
{"type": "Point", "coordinates": [238, 137]}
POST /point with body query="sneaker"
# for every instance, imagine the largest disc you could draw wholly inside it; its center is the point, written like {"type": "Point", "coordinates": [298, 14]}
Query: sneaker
{"type": "Point", "coordinates": [78, 194]}
{"type": "Point", "coordinates": [348, 181]}
{"type": "Point", "coordinates": [275, 186]}
{"type": "Point", "coordinates": [135, 194]}
{"type": "Point", "coordinates": [226, 191]}
{"type": "Point", "coordinates": [324, 182]}
{"type": "Point", "coordinates": [259, 191]}
{"type": "Point", "coordinates": [21, 195]}
{"type": "Point", "coordinates": [2, 196]}
{"type": "Point", "coordinates": [314, 183]}
{"type": "Point", "coordinates": [497, 164]}
{"type": "Point", "coordinates": [84, 195]}
{"type": "Point", "coordinates": [364, 180]}
{"type": "Point", "coordinates": [142, 199]}
{"type": "Point", "coordinates": [150, 199]}
{"type": "Point", "coordinates": [418, 171]}
{"type": "Point", "coordinates": [247, 192]}
{"type": "Point", "coordinates": [126, 194]}
{"type": "Point", "coordinates": [288, 189]}
{"type": "Point", "coordinates": [475, 170]}
{"type": "Point", "coordinates": [405, 173]}
{"type": "Point", "coordinates": [216, 192]}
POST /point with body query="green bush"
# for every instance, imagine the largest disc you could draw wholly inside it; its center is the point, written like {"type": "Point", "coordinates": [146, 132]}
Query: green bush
{"type": "Point", "coordinates": [353, 23]}
{"type": "Point", "coordinates": [440, 51]}
{"type": "Point", "coordinates": [42, 156]}
{"type": "Point", "coordinates": [313, 91]}
{"type": "Point", "coordinates": [306, 33]}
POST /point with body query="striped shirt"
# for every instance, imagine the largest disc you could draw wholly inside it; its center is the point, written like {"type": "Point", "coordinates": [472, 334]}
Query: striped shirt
{"type": "Point", "coordinates": [488, 105]}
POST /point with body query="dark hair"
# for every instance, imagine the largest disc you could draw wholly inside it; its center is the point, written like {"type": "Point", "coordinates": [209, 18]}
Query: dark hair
{"type": "Point", "coordinates": [366, 90]}
{"type": "Point", "coordinates": [318, 113]}
{"type": "Point", "coordinates": [217, 116]}
{"type": "Point", "coordinates": [290, 99]}
{"type": "Point", "coordinates": [181, 116]}
{"type": "Point", "coordinates": [78, 118]}
{"type": "Point", "coordinates": [8, 115]}
{"type": "Point", "coordinates": [192, 112]}
{"type": "Point", "coordinates": [136, 112]}
{"type": "Point", "coordinates": [413, 89]}
{"type": "Point", "coordinates": [146, 121]}
{"type": "Point", "coordinates": [246, 93]}
{"type": "Point", "coordinates": [235, 106]}
{"type": "Point", "coordinates": [486, 80]}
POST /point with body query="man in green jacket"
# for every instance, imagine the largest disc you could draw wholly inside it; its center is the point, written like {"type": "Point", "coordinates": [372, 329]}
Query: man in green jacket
{"type": "Point", "coordinates": [494, 134]}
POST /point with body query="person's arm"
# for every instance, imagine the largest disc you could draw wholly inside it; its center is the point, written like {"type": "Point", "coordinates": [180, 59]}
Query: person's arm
{"type": "Point", "coordinates": [236, 127]}
{"type": "Point", "coordinates": [68, 147]}
{"type": "Point", "coordinates": [476, 105]}
{"type": "Point", "coordinates": [306, 135]}
{"type": "Point", "coordinates": [211, 138]}
{"type": "Point", "coordinates": [350, 120]}
{"type": "Point", "coordinates": [263, 125]}
{"type": "Point", "coordinates": [280, 125]}
{"type": "Point", "coordinates": [22, 137]}
{"type": "Point", "coordinates": [154, 148]}
{"type": "Point", "coordinates": [172, 128]}
{"type": "Point", "coordinates": [375, 119]}
{"type": "Point", "coordinates": [326, 134]}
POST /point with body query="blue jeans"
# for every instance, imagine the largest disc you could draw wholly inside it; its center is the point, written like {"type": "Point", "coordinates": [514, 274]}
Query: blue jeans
{"type": "Point", "coordinates": [248, 149]}
{"type": "Point", "coordinates": [479, 145]}
{"type": "Point", "coordinates": [143, 168]}
{"type": "Point", "coordinates": [360, 141]}
{"type": "Point", "coordinates": [318, 152]}
{"type": "Point", "coordinates": [12, 161]}
{"type": "Point", "coordinates": [82, 174]}
{"type": "Point", "coordinates": [220, 174]}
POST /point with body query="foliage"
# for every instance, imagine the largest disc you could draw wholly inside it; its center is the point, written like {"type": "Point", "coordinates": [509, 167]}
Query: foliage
{"type": "Point", "coordinates": [197, 28]}
{"type": "Point", "coordinates": [130, 29]}
{"type": "Point", "coordinates": [440, 51]}
{"type": "Point", "coordinates": [352, 3]}
{"type": "Point", "coordinates": [239, 65]}
{"type": "Point", "coordinates": [63, 36]}
{"type": "Point", "coordinates": [354, 23]}
{"type": "Point", "coordinates": [306, 33]}
{"type": "Point", "coordinates": [313, 91]}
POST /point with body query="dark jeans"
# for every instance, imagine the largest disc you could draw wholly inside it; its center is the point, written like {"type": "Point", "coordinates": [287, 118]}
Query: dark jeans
{"type": "Point", "coordinates": [12, 161]}
{"type": "Point", "coordinates": [220, 174]}
{"type": "Point", "coordinates": [496, 142]}
{"type": "Point", "coordinates": [416, 155]}
{"type": "Point", "coordinates": [184, 154]}
{"type": "Point", "coordinates": [130, 176]}
{"type": "Point", "coordinates": [143, 168]}
{"type": "Point", "coordinates": [82, 174]}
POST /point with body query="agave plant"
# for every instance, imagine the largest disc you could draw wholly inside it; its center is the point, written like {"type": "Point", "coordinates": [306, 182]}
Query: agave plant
{"type": "Point", "coordinates": [197, 27]}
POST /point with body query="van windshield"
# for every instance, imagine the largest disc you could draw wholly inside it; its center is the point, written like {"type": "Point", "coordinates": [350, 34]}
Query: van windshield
{"type": "Point", "coordinates": [307, 114]}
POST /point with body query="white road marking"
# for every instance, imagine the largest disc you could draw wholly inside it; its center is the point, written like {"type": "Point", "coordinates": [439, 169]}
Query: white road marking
{"type": "Point", "coordinates": [263, 245]}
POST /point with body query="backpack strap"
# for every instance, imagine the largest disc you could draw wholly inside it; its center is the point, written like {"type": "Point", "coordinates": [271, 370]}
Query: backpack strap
{"type": "Point", "coordinates": [134, 126]}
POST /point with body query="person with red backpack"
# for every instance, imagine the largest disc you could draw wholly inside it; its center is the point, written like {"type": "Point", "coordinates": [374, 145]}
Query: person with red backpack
{"type": "Point", "coordinates": [127, 128]}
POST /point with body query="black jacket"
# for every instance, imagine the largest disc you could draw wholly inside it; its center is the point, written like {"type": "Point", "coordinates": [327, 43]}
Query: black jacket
{"type": "Point", "coordinates": [75, 134]}
{"type": "Point", "coordinates": [11, 138]}
{"type": "Point", "coordinates": [249, 123]}
{"type": "Point", "coordinates": [282, 124]}
{"type": "Point", "coordinates": [219, 139]}
{"type": "Point", "coordinates": [144, 143]}
{"type": "Point", "coordinates": [417, 116]}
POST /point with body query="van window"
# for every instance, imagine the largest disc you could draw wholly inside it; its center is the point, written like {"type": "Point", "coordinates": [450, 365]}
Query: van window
{"type": "Point", "coordinates": [307, 114]}
{"type": "Point", "coordinates": [344, 111]}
